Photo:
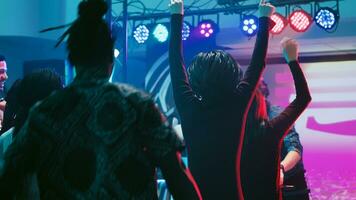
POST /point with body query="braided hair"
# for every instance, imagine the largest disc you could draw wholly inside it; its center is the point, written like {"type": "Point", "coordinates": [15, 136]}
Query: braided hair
{"type": "Point", "coordinates": [89, 38]}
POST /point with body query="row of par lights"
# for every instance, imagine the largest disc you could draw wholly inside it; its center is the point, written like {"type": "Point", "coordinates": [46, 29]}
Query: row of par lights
{"type": "Point", "coordinates": [299, 20]}
{"type": "Point", "coordinates": [205, 29]}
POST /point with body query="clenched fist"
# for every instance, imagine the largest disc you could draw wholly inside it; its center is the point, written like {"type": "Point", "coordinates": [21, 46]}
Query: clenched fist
{"type": "Point", "coordinates": [266, 9]}
{"type": "Point", "coordinates": [176, 7]}
{"type": "Point", "coordinates": [290, 49]}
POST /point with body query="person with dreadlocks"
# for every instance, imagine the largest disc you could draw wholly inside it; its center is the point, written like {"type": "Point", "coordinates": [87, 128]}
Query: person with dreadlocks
{"type": "Point", "coordinates": [211, 101]}
{"type": "Point", "coordinates": [95, 139]}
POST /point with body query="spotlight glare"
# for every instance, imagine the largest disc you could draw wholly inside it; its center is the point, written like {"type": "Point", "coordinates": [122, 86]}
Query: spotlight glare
{"type": "Point", "coordinates": [300, 20]}
{"type": "Point", "coordinates": [141, 34]}
{"type": "Point", "coordinates": [280, 25]}
{"type": "Point", "coordinates": [249, 25]}
{"type": "Point", "coordinates": [326, 18]}
{"type": "Point", "coordinates": [161, 33]}
{"type": "Point", "coordinates": [116, 53]}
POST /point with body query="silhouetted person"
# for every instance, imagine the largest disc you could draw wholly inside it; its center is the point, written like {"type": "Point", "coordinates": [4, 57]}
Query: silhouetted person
{"type": "Point", "coordinates": [260, 163]}
{"type": "Point", "coordinates": [211, 102]}
{"type": "Point", "coordinates": [11, 107]}
{"type": "Point", "coordinates": [94, 139]}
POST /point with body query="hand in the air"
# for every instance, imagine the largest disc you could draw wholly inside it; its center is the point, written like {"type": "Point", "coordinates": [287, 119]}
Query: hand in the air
{"type": "Point", "coordinates": [266, 9]}
{"type": "Point", "coordinates": [290, 49]}
{"type": "Point", "coordinates": [176, 7]}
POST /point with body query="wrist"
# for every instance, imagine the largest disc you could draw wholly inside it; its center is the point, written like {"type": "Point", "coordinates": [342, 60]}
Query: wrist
{"type": "Point", "coordinates": [264, 15]}
{"type": "Point", "coordinates": [177, 13]}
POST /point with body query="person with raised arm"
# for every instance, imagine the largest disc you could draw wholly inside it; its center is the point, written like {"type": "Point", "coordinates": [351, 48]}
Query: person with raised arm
{"type": "Point", "coordinates": [260, 163]}
{"type": "Point", "coordinates": [94, 139]}
{"type": "Point", "coordinates": [212, 100]}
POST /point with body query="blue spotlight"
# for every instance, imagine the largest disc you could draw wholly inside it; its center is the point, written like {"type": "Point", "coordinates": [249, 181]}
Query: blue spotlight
{"type": "Point", "coordinates": [141, 34]}
{"type": "Point", "coordinates": [249, 25]}
{"type": "Point", "coordinates": [185, 31]}
{"type": "Point", "coordinates": [161, 33]}
{"type": "Point", "coordinates": [326, 18]}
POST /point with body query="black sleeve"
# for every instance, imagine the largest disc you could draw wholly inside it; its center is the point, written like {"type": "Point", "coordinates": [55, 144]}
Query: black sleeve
{"type": "Point", "coordinates": [286, 119]}
{"type": "Point", "coordinates": [247, 85]}
{"type": "Point", "coordinates": [157, 137]}
{"type": "Point", "coordinates": [184, 96]}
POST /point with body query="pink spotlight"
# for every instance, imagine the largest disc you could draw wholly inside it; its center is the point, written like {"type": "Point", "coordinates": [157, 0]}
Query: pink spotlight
{"type": "Point", "coordinates": [206, 28]}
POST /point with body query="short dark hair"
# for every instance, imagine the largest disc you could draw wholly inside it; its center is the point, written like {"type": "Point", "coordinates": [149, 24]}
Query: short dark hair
{"type": "Point", "coordinates": [214, 73]}
{"type": "Point", "coordinates": [2, 58]}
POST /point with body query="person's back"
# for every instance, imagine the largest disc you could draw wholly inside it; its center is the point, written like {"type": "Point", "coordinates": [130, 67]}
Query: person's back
{"type": "Point", "coordinates": [94, 139]}
{"type": "Point", "coordinates": [211, 102]}
{"type": "Point", "coordinates": [212, 136]}
{"type": "Point", "coordinates": [95, 143]}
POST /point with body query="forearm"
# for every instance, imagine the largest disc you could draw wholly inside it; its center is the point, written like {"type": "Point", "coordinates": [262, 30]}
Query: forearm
{"type": "Point", "coordinates": [286, 119]}
{"type": "Point", "coordinates": [257, 63]}
{"type": "Point", "coordinates": [183, 94]}
{"type": "Point", "coordinates": [291, 160]}
{"type": "Point", "coordinates": [254, 71]}
{"type": "Point", "coordinates": [302, 91]}
{"type": "Point", "coordinates": [179, 179]}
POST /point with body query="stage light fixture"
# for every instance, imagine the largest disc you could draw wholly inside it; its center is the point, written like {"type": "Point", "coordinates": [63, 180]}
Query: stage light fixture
{"type": "Point", "coordinates": [185, 31]}
{"type": "Point", "coordinates": [141, 34]}
{"type": "Point", "coordinates": [300, 20]}
{"type": "Point", "coordinates": [161, 33]}
{"type": "Point", "coordinates": [281, 23]}
{"type": "Point", "coordinates": [326, 18]}
{"type": "Point", "coordinates": [249, 25]}
{"type": "Point", "coordinates": [207, 28]}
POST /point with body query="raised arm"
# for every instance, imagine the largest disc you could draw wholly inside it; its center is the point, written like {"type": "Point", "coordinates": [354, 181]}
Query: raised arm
{"type": "Point", "coordinates": [286, 119]}
{"type": "Point", "coordinates": [254, 71]}
{"type": "Point", "coordinates": [183, 93]}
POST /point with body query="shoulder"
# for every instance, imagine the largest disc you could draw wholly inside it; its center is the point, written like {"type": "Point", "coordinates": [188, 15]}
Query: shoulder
{"type": "Point", "coordinates": [133, 95]}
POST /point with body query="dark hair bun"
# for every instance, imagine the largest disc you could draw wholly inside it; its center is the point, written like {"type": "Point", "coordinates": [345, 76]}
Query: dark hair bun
{"type": "Point", "coordinates": [93, 9]}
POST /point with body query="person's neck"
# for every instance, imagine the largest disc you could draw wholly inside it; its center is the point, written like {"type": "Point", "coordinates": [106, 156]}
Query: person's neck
{"type": "Point", "coordinates": [91, 73]}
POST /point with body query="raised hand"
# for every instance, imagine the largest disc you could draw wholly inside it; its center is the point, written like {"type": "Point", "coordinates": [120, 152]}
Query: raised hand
{"type": "Point", "coordinates": [290, 49]}
{"type": "Point", "coordinates": [176, 7]}
{"type": "Point", "coordinates": [266, 9]}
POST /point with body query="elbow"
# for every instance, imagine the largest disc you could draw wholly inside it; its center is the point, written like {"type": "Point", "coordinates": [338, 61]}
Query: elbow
{"type": "Point", "coordinates": [308, 97]}
{"type": "Point", "coordinates": [304, 99]}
